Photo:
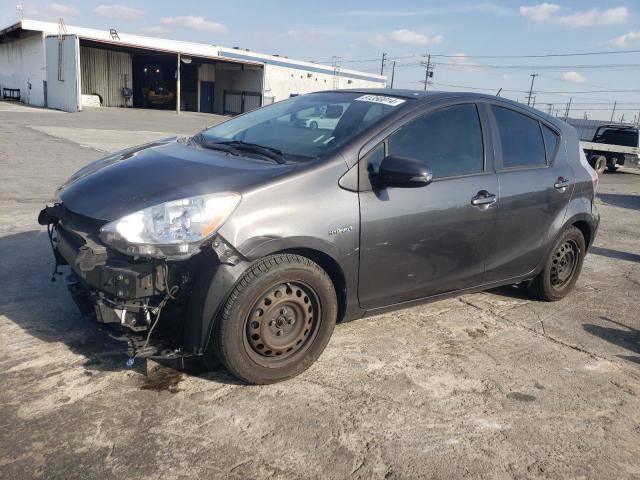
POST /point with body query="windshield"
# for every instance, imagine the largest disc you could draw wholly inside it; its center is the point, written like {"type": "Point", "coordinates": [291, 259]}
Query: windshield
{"type": "Point", "coordinates": [617, 136]}
{"type": "Point", "coordinates": [302, 127]}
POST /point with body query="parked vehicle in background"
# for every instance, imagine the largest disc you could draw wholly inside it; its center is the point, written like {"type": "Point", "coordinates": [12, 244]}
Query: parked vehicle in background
{"type": "Point", "coordinates": [324, 118]}
{"type": "Point", "coordinates": [252, 238]}
{"type": "Point", "coordinates": [613, 146]}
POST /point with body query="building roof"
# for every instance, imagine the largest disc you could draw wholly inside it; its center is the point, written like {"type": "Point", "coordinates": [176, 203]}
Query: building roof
{"type": "Point", "coordinates": [185, 48]}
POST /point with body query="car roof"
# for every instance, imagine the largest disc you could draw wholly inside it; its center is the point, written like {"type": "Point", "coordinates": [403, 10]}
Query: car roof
{"type": "Point", "coordinates": [619, 127]}
{"type": "Point", "coordinates": [426, 96]}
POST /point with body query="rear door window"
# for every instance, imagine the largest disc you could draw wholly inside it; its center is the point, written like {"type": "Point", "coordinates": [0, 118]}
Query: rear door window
{"type": "Point", "coordinates": [447, 141]}
{"type": "Point", "coordinates": [520, 137]}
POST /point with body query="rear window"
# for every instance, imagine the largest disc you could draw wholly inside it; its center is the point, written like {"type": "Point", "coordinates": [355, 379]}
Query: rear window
{"type": "Point", "coordinates": [521, 139]}
{"type": "Point", "coordinates": [615, 136]}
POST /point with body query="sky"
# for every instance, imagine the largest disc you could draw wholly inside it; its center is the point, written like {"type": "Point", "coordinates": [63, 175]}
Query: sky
{"type": "Point", "coordinates": [359, 32]}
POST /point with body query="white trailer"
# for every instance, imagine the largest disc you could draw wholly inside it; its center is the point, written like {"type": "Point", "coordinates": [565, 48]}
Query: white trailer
{"type": "Point", "coordinates": [612, 147]}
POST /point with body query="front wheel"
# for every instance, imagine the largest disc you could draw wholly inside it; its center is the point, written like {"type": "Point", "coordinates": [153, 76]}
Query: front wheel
{"type": "Point", "coordinates": [277, 320]}
{"type": "Point", "coordinates": [562, 267]}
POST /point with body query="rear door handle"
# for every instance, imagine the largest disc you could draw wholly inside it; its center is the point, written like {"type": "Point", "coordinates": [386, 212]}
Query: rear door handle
{"type": "Point", "coordinates": [561, 183]}
{"type": "Point", "coordinates": [483, 199]}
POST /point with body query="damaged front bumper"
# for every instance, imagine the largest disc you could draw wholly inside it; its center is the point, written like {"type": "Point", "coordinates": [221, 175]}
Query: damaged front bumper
{"type": "Point", "coordinates": [125, 293]}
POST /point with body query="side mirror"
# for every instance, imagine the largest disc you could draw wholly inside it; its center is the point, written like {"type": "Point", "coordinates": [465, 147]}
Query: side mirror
{"type": "Point", "coordinates": [403, 172]}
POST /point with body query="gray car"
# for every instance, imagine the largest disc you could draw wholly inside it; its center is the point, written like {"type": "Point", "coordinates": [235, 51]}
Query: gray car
{"type": "Point", "coordinates": [251, 239]}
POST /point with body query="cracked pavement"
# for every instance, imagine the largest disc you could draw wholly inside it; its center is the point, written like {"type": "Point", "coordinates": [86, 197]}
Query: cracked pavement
{"type": "Point", "coordinates": [490, 385]}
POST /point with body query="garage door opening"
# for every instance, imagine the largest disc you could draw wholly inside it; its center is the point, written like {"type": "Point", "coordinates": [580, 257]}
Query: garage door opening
{"type": "Point", "coordinates": [121, 76]}
{"type": "Point", "coordinates": [154, 82]}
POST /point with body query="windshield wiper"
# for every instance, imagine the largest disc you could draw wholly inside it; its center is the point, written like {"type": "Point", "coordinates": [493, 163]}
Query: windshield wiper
{"type": "Point", "coordinates": [269, 152]}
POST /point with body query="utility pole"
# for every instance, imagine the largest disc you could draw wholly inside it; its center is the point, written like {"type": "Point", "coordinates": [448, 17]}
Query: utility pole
{"type": "Point", "coordinates": [428, 73]}
{"type": "Point", "coordinates": [614, 109]}
{"type": "Point", "coordinates": [384, 58]}
{"type": "Point", "coordinates": [566, 113]}
{"type": "Point", "coordinates": [533, 105]}
{"type": "Point", "coordinates": [533, 77]}
{"type": "Point", "coordinates": [393, 72]}
{"type": "Point", "coordinates": [178, 86]}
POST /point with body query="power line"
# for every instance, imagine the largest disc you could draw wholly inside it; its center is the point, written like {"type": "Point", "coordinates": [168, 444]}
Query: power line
{"type": "Point", "coordinates": [542, 67]}
{"type": "Point", "coordinates": [542, 91]}
{"type": "Point", "coordinates": [543, 55]}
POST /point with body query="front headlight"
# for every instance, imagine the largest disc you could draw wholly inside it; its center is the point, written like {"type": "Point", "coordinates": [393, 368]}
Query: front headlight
{"type": "Point", "coordinates": [171, 229]}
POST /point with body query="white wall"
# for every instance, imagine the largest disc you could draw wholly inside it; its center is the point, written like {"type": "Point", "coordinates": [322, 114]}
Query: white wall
{"type": "Point", "coordinates": [63, 94]}
{"type": "Point", "coordinates": [281, 82]}
{"type": "Point", "coordinates": [22, 66]}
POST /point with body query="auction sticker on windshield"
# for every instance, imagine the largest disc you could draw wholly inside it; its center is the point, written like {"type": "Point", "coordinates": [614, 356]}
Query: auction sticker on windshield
{"type": "Point", "coordinates": [391, 101]}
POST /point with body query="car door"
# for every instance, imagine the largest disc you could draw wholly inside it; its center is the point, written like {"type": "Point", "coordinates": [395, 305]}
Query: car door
{"type": "Point", "coordinates": [535, 181]}
{"type": "Point", "coordinates": [418, 242]}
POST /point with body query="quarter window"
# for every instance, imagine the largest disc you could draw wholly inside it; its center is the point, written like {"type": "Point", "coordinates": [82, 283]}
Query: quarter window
{"type": "Point", "coordinates": [550, 142]}
{"type": "Point", "coordinates": [448, 141]}
{"type": "Point", "coordinates": [520, 137]}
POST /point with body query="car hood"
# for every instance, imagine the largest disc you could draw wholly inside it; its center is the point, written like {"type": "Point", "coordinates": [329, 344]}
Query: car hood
{"type": "Point", "coordinates": [169, 169]}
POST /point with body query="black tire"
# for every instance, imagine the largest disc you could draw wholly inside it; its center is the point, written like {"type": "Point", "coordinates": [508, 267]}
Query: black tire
{"type": "Point", "coordinates": [612, 168]}
{"type": "Point", "coordinates": [313, 125]}
{"type": "Point", "coordinates": [562, 267]}
{"type": "Point", "coordinates": [282, 293]}
{"type": "Point", "coordinates": [599, 163]}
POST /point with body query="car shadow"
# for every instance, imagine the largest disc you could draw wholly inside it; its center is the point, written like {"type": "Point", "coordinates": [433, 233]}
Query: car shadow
{"type": "Point", "coordinates": [620, 200]}
{"type": "Point", "coordinates": [519, 292]}
{"type": "Point", "coordinates": [44, 310]}
{"type": "Point", "coordinates": [626, 337]}
{"type": "Point", "coordinates": [617, 254]}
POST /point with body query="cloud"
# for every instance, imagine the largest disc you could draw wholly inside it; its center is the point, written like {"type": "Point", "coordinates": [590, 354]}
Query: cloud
{"type": "Point", "coordinates": [482, 7]}
{"type": "Point", "coordinates": [195, 23]}
{"type": "Point", "coordinates": [547, 12]}
{"type": "Point", "coordinates": [410, 37]}
{"type": "Point", "coordinates": [540, 12]}
{"type": "Point", "coordinates": [461, 60]}
{"type": "Point", "coordinates": [595, 17]}
{"type": "Point", "coordinates": [627, 40]}
{"type": "Point", "coordinates": [61, 9]}
{"type": "Point", "coordinates": [379, 39]}
{"type": "Point", "coordinates": [156, 30]}
{"type": "Point", "coordinates": [311, 35]}
{"type": "Point", "coordinates": [29, 9]}
{"type": "Point", "coordinates": [573, 77]}
{"type": "Point", "coordinates": [120, 12]}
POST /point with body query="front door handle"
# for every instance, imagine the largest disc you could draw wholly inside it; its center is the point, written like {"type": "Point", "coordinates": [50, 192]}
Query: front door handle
{"type": "Point", "coordinates": [483, 199]}
{"type": "Point", "coordinates": [561, 183]}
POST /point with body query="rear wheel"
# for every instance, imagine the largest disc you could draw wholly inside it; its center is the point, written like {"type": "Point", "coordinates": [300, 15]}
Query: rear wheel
{"type": "Point", "coordinates": [313, 125]}
{"type": "Point", "coordinates": [278, 319]}
{"type": "Point", "coordinates": [562, 267]}
{"type": "Point", "coordinates": [599, 163]}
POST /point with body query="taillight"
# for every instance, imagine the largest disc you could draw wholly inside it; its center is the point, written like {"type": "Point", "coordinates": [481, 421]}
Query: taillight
{"type": "Point", "coordinates": [592, 172]}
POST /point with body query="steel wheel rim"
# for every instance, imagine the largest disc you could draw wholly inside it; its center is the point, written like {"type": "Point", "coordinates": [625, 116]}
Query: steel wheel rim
{"type": "Point", "coordinates": [282, 322]}
{"type": "Point", "coordinates": [564, 264]}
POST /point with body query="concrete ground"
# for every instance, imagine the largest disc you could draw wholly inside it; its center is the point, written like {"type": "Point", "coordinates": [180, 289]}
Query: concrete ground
{"type": "Point", "coordinates": [491, 385]}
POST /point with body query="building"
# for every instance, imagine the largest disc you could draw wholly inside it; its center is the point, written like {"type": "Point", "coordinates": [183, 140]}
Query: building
{"type": "Point", "coordinates": [65, 67]}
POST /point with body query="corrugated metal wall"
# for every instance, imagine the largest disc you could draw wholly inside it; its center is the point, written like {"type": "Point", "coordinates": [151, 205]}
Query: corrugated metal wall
{"type": "Point", "coordinates": [105, 73]}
